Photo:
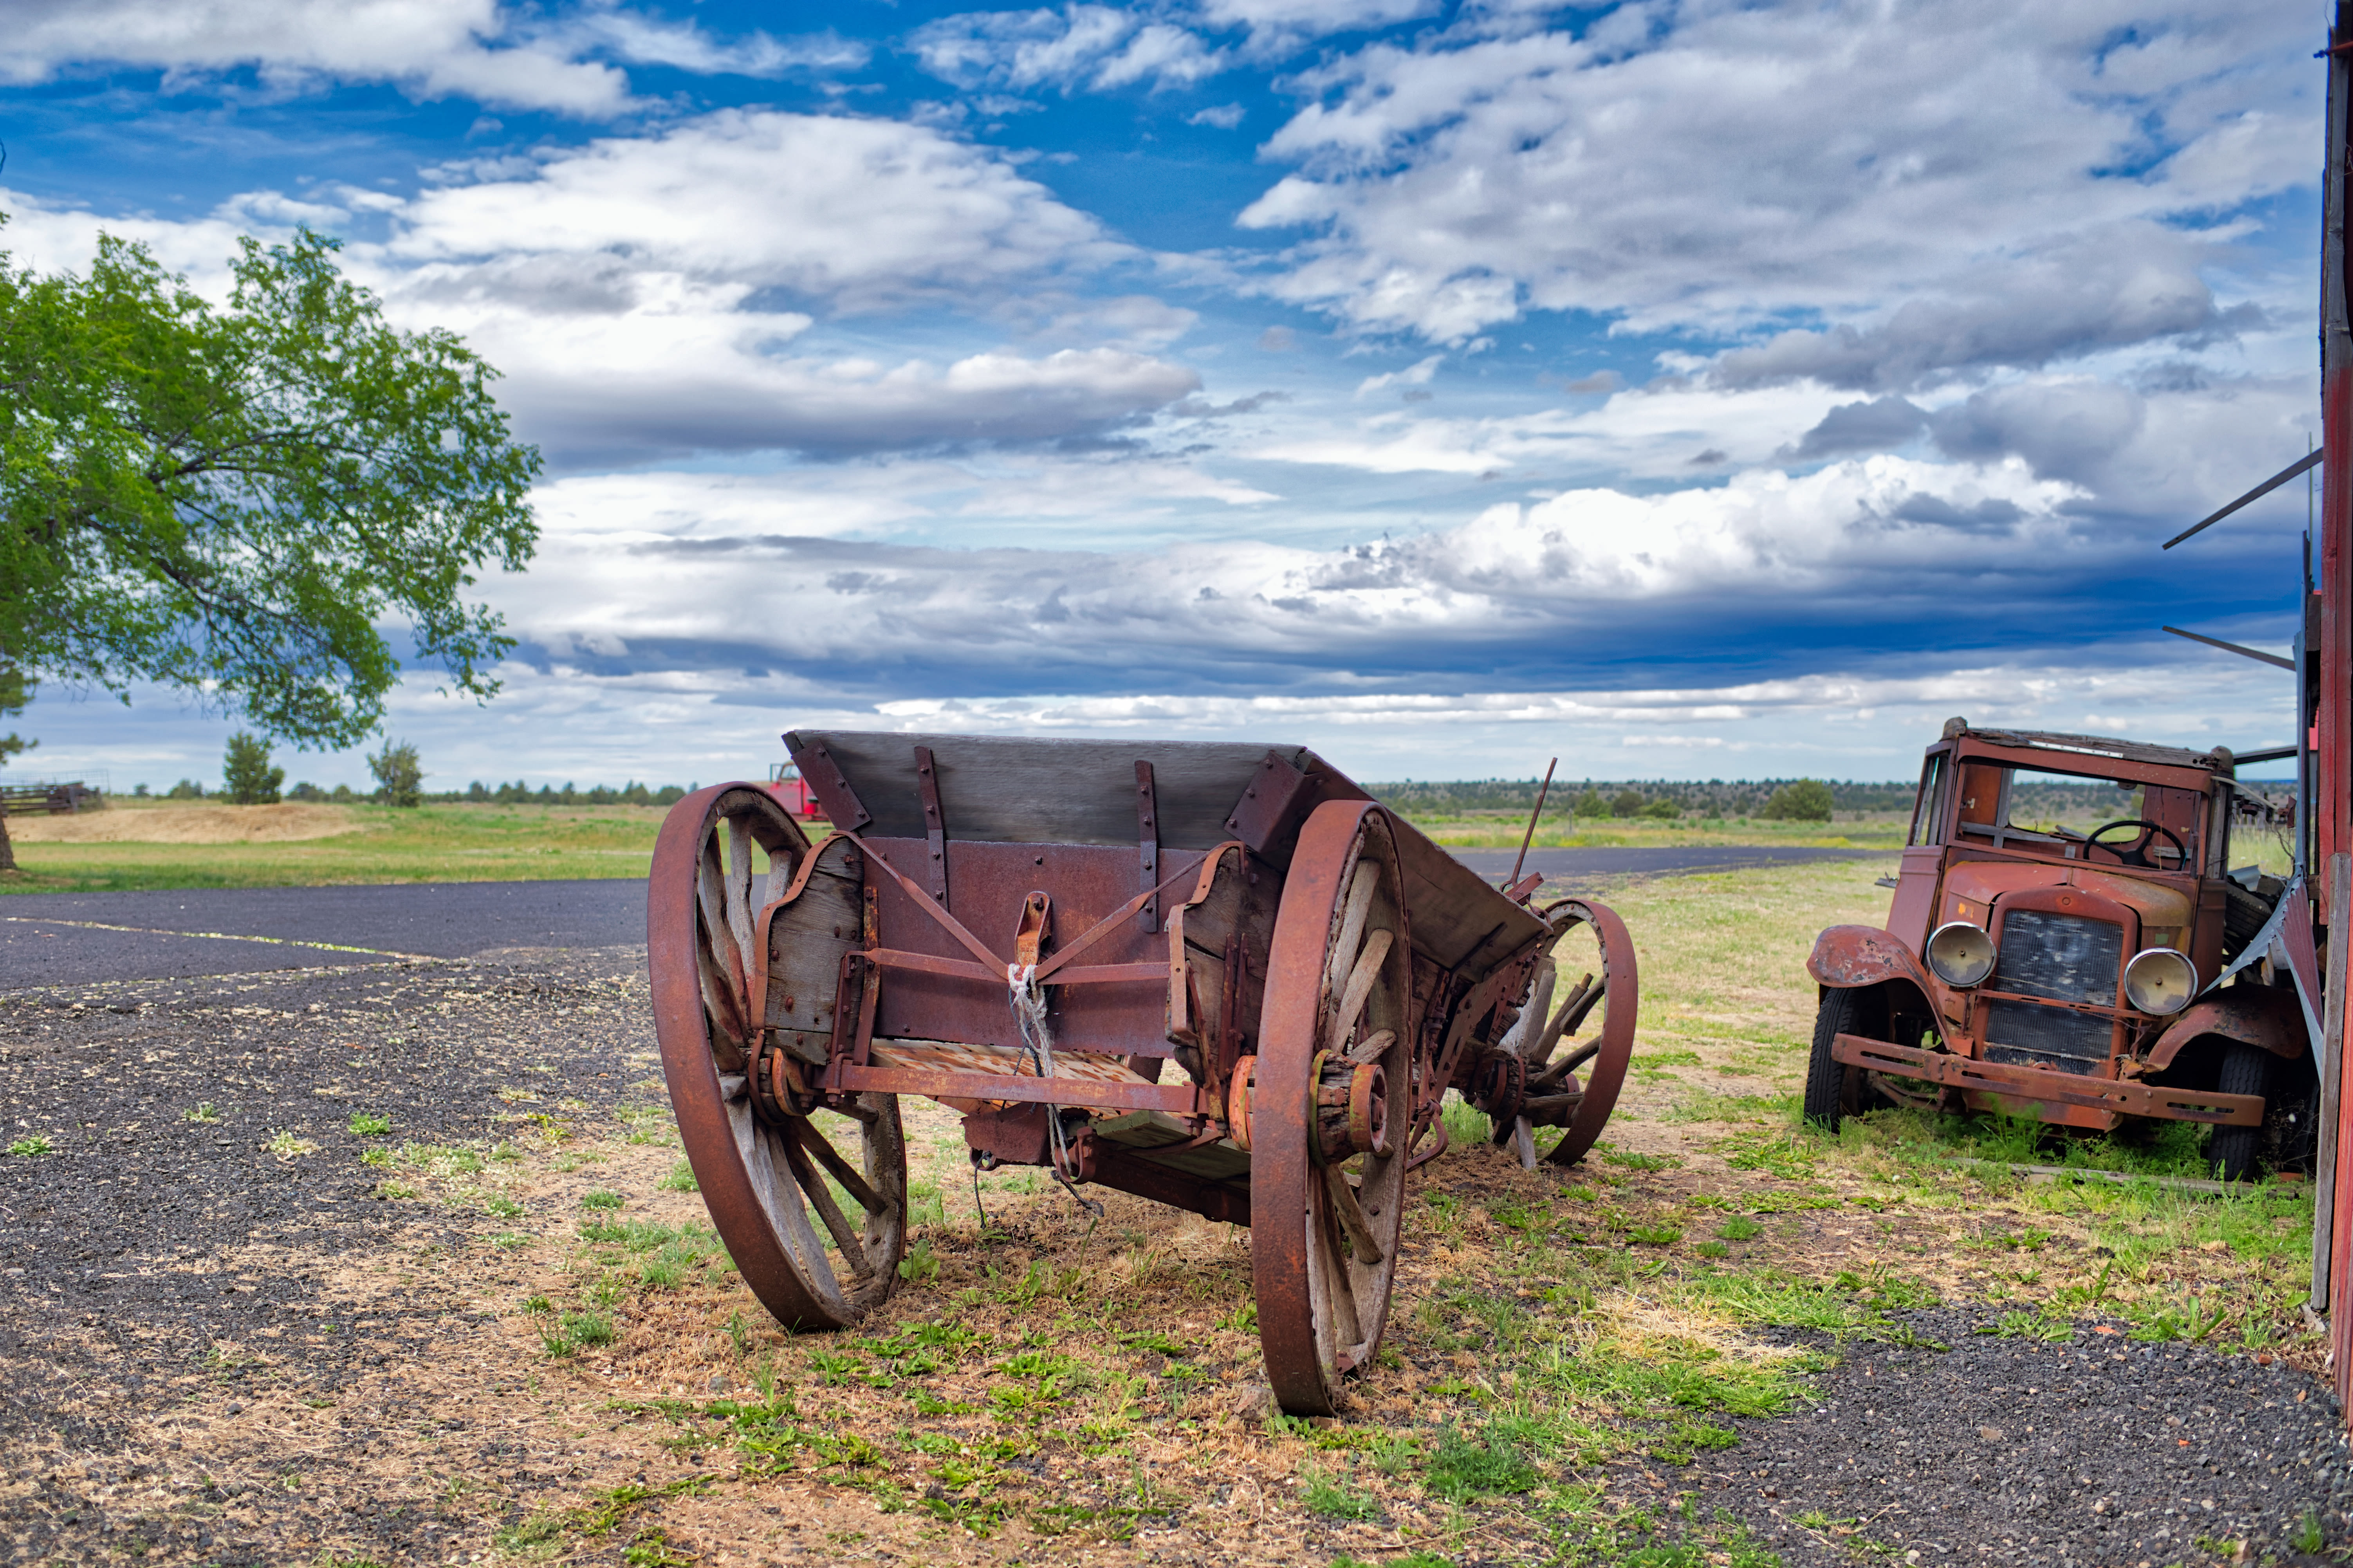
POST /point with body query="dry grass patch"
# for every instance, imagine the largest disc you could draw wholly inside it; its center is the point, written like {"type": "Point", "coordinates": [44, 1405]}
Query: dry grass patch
{"type": "Point", "coordinates": [286, 823]}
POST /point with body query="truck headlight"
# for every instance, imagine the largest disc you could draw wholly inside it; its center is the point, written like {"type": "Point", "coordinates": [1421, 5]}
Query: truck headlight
{"type": "Point", "coordinates": [2160, 980]}
{"type": "Point", "coordinates": [1961, 954]}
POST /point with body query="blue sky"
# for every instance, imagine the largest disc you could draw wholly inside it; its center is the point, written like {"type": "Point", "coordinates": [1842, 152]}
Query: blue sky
{"type": "Point", "coordinates": [1683, 389]}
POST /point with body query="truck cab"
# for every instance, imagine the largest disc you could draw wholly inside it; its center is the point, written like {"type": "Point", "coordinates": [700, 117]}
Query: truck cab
{"type": "Point", "coordinates": [2060, 915]}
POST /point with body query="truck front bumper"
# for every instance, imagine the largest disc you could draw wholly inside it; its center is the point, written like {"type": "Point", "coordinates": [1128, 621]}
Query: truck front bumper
{"type": "Point", "coordinates": [2125, 1095]}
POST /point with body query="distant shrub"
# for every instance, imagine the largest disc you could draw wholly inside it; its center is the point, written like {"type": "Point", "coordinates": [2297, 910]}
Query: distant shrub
{"type": "Point", "coordinates": [1806, 800]}
{"type": "Point", "coordinates": [1667, 810]}
{"type": "Point", "coordinates": [398, 776]}
{"type": "Point", "coordinates": [246, 774]}
{"type": "Point", "coordinates": [305, 790]}
{"type": "Point", "coordinates": [187, 789]}
{"type": "Point", "coordinates": [1628, 804]}
{"type": "Point", "coordinates": [1593, 803]}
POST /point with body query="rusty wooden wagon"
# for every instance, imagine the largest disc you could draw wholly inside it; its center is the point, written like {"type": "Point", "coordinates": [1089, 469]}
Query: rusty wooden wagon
{"type": "Point", "coordinates": [1034, 933]}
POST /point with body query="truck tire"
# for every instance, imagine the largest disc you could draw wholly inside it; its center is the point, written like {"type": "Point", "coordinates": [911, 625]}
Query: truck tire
{"type": "Point", "coordinates": [2232, 1150]}
{"type": "Point", "coordinates": [1825, 1078]}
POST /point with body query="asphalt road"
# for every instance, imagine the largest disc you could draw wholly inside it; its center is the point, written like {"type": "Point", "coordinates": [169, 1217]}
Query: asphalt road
{"type": "Point", "coordinates": [77, 938]}
{"type": "Point", "coordinates": [74, 939]}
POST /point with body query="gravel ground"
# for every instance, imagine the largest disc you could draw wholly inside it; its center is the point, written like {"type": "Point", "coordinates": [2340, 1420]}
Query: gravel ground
{"type": "Point", "coordinates": [213, 1352]}
{"type": "Point", "coordinates": [2094, 1452]}
{"type": "Point", "coordinates": [160, 1272]}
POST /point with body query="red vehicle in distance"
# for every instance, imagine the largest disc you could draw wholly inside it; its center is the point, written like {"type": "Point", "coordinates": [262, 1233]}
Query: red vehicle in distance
{"type": "Point", "coordinates": [785, 781]}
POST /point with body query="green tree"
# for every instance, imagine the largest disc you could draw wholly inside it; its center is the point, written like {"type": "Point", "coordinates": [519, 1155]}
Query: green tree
{"type": "Point", "coordinates": [246, 773]}
{"type": "Point", "coordinates": [232, 501]}
{"type": "Point", "coordinates": [1804, 800]}
{"type": "Point", "coordinates": [398, 774]}
{"type": "Point", "coordinates": [14, 692]}
{"type": "Point", "coordinates": [1593, 803]}
{"type": "Point", "coordinates": [1627, 803]}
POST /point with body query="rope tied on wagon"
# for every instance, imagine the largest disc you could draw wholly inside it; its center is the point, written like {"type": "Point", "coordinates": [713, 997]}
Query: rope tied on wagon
{"type": "Point", "coordinates": [1028, 1000]}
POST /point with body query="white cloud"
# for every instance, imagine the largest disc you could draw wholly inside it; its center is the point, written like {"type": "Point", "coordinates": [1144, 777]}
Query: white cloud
{"type": "Point", "coordinates": [639, 291]}
{"type": "Point", "coordinates": [1136, 321]}
{"type": "Point", "coordinates": [478, 49]}
{"type": "Point", "coordinates": [1416, 375]}
{"type": "Point", "coordinates": [1834, 158]}
{"type": "Point", "coordinates": [1093, 47]}
{"type": "Point", "coordinates": [1836, 723]}
{"type": "Point", "coordinates": [646, 295]}
{"type": "Point", "coordinates": [1225, 116]}
{"type": "Point", "coordinates": [858, 213]}
{"type": "Point", "coordinates": [1768, 548]}
{"type": "Point", "coordinates": [1276, 25]}
{"type": "Point", "coordinates": [1651, 433]}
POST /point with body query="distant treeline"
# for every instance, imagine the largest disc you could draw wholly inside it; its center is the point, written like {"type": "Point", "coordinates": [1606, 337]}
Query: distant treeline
{"type": "Point", "coordinates": [516, 793]}
{"type": "Point", "coordinates": [1714, 797]}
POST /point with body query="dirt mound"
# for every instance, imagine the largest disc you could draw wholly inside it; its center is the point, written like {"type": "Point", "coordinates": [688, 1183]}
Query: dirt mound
{"type": "Point", "coordinates": [187, 825]}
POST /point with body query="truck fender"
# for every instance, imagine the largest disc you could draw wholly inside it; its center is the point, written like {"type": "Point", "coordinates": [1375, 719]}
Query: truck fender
{"type": "Point", "coordinates": [1849, 958]}
{"type": "Point", "coordinates": [2253, 1014]}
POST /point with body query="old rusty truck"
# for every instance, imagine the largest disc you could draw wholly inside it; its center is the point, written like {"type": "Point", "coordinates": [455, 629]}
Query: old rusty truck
{"type": "Point", "coordinates": [2066, 940]}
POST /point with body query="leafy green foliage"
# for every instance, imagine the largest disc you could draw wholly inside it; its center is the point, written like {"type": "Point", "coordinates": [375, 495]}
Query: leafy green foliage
{"type": "Point", "coordinates": [1804, 800]}
{"type": "Point", "coordinates": [246, 773]}
{"type": "Point", "coordinates": [231, 501]}
{"type": "Point", "coordinates": [399, 778]}
{"type": "Point", "coordinates": [14, 692]}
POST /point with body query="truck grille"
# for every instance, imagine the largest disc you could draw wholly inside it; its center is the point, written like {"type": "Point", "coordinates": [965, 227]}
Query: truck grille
{"type": "Point", "coordinates": [2064, 958]}
{"type": "Point", "coordinates": [2023, 1034]}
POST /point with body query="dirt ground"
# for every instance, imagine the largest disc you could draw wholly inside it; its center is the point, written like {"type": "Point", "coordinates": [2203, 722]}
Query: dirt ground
{"type": "Point", "coordinates": [394, 1264]}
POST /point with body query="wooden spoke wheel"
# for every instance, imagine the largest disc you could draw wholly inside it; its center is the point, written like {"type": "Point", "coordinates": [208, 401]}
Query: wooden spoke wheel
{"type": "Point", "coordinates": [1604, 1014]}
{"type": "Point", "coordinates": [1330, 1107]}
{"type": "Point", "coordinates": [811, 1201]}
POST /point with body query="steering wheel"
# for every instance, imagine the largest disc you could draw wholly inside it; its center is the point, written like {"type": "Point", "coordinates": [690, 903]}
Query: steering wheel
{"type": "Point", "coordinates": [2136, 852]}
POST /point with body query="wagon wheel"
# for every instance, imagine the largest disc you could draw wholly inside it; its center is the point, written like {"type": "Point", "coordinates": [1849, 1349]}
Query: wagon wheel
{"type": "Point", "coordinates": [1602, 1053]}
{"type": "Point", "coordinates": [780, 1186]}
{"type": "Point", "coordinates": [1330, 1107]}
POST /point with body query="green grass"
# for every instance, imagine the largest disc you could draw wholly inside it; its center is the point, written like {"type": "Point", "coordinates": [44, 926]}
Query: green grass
{"type": "Point", "coordinates": [438, 843]}
{"type": "Point", "coordinates": [1328, 1494]}
{"type": "Point", "coordinates": [460, 841]}
{"type": "Point", "coordinates": [1502, 830]}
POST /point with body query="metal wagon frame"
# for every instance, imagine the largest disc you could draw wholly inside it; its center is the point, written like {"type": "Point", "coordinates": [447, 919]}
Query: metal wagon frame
{"type": "Point", "coordinates": [1031, 932]}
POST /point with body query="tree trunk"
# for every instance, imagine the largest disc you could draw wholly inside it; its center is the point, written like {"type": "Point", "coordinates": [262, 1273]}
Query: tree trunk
{"type": "Point", "coordinates": [7, 850]}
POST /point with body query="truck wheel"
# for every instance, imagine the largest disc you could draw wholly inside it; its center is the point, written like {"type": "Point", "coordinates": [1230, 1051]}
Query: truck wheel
{"type": "Point", "coordinates": [2232, 1150]}
{"type": "Point", "coordinates": [1825, 1078]}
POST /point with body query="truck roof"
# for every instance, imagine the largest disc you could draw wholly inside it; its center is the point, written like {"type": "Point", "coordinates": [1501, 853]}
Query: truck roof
{"type": "Point", "coordinates": [2219, 759]}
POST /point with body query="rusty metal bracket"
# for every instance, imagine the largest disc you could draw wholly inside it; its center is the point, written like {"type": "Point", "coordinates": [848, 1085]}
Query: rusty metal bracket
{"type": "Point", "coordinates": [935, 827]}
{"type": "Point", "coordinates": [1271, 808]}
{"type": "Point", "coordinates": [1036, 930]}
{"type": "Point", "coordinates": [1147, 840]}
{"type": "Point", "coordinates": [827, 782]}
